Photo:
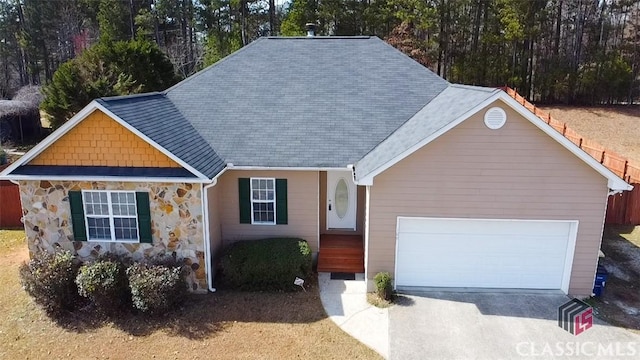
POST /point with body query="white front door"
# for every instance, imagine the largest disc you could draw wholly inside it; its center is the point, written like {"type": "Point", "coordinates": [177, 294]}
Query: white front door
{"type": "Point", "coordinates": [341, 200]}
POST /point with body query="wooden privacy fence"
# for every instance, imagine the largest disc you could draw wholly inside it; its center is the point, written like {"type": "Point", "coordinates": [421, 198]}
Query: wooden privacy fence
{"type": "Point", "coordinates": [10, 208]}
{"type": "Point", "coordinates": [622, 209]}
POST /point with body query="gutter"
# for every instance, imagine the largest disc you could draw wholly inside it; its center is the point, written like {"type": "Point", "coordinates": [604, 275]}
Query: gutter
{"type": "Point", "coordinates": [207, 235]}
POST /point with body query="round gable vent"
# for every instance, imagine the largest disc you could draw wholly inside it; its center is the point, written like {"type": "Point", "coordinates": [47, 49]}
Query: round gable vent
{"type": "Point", "coordinates": [495, 118]}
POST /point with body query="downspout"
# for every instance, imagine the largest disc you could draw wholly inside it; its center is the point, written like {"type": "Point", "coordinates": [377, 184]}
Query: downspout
{"type": "Point", "coordinates": [366, 236]}
{"type": "Point", "coordinates": [207, 234]}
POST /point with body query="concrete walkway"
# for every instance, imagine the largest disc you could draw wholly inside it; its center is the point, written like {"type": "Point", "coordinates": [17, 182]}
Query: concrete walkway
{"type": "Point", "coordinates": [345, 301]}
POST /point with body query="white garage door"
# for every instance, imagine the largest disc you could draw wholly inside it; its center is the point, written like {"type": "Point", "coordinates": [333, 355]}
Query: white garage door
{"type": "Point", "coordinates": [516, 254]}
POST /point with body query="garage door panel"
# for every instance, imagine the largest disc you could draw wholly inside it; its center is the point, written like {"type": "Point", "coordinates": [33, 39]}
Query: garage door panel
{"type": "Point", "coordinates": [481, 253]}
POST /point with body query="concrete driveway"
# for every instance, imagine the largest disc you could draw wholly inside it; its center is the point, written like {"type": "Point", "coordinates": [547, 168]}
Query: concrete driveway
{"type": "Point", "coordinates": [481, 325]}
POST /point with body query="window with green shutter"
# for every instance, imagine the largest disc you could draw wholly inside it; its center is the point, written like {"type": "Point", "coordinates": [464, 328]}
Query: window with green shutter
{"type": "Point", "coordinates": [110, 215]}
{"type": "Point", "coordinates": [263, 201]}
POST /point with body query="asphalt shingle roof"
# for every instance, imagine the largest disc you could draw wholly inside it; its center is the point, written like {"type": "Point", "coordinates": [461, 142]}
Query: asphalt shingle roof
{"type": "Point", "coordinates": [452, 103]}
{"type": "Point", "coordinates": [300, 102]}
{"type": "Point", "coordinates": [155, 116]}
{"type": "Point", "coordinates": [304, 102]}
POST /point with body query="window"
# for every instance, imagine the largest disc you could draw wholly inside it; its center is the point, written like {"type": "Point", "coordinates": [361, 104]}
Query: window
{"type": "Point", "coordinates": [263, 201]}
{"type": "Point", "coordinates": [111, 215]}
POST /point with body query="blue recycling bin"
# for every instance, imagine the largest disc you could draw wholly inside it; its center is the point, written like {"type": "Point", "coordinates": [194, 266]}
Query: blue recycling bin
{"type": "Point", "coordinates": [600, 281]}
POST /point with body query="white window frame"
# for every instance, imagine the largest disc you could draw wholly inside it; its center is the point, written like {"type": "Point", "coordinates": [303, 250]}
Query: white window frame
{"type": "Point", "coordinates": [111, 216]}
{"type": "Point", "coordinates": [253, 221]}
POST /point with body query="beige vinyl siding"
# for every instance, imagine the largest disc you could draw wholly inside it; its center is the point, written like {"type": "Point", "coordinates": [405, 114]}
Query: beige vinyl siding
{"type": "Point", "coordinates": [516, 172]}
{"type": "Point", "coordinates": [302, 204]}
{"type": "Point", "coordinates": [215, 231]}
{"type": "Point", "coordinates": [323, 209]}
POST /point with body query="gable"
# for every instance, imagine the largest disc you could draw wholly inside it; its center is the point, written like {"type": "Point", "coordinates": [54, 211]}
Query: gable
{"type": "Point", "coordinates": [517, 159]}
{"type": "Point", "coordinates": [98, 140]}
{"type": "Point", "coordinates": [381, 163]}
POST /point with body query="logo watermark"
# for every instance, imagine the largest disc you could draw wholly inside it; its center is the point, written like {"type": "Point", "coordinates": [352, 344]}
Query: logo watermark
{"type": "Point", "coordinates": [584, 349]}
{"type": "Point", "coordinates": [575, 316]}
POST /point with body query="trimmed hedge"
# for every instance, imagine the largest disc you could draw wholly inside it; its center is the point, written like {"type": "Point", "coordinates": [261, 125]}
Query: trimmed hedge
{"type": "Point", "coordinates": [270, 264]}
{"type": "Point", "coordinates": [104, 282]}
{"type": "Point", "coordinates": [49, 279]}
{"type": "Point", "coordinates": [156, 288]}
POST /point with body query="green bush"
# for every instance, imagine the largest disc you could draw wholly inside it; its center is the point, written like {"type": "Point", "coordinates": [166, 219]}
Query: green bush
{"type": "Point", "coordinates": [384, 285]}
{"type": "Point", "coordinates": [49, 279]}
{"type": "Point", "coordinates": [270, 264]}
{"type": "Point", "coordinates": [104, 282]}
{"type": "Point", "coordinates": [156, 288]}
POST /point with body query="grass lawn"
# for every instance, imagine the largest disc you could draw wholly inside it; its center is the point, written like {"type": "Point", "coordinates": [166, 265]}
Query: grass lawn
{"type": "Point", "coordinates": [615, 127]}
{"type": "Point", "coordinates": [224, 325]}
{"type": "Point", "coordinates": [620, 304]}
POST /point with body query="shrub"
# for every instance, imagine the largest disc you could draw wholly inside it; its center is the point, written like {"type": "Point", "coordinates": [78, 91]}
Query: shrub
{"type": "Point", "coordinates": [384, 285]}
{"type": "Point", "coordinates": [270, 264]}
{"type": "Point", "coordinates": [104, 282]}
{"type": "Point", "coordinates": [156, 288]}
{"type": "Point", "coordinates": [3, 157]}
{"type": "Point", "coordinates": [49, 279]}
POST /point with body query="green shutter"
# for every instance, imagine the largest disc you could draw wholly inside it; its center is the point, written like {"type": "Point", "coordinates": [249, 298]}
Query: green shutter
{"type": "Point", "coordinates": [77, 216]}
{"type": "Point", "coordinates": [281, 201]}
{"type": "Point", "coordinates": [144, 217]}
{"type": "Point", "coordinates": [244, 197]}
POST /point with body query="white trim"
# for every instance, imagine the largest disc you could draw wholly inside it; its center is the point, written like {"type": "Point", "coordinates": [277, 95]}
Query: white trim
{"type": "Point", "coordinates": [395, 256]}
{"type": "Point", "coordinates": [614, 183]}
{"type": "Point", "coordinates": [571, 244]}
{"type": "Point", "coordinates": [230, 166]}
{"type": "Point", "coordinates": [76, 119]}
{"type": "Point", "coordinates": [105, 178]}
{"type": "Point", "coordinates": [111, 216]}
{"type": "Point", "coordinates": [568, 261]}
{"type": "Point", "coordinates": [274, 201]}
{"type": "Point", "coordinates": [367, 201]}
{"type": "Point", "coordinates": [144, 137]}
{"type": "Point", "coordinates": [318, 209]}
{"type": "Point", "coordinates": [204, 190]}
{"type": "Point", "coordinates": [368, 178]}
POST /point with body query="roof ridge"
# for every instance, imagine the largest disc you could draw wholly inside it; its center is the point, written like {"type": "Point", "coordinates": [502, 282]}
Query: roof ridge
{"type": "Point", "coordinates": [476, 87]}
{"type": "Point", "coordinates": [130, 96]}
{"type": "Point", "coordinates": [340, 37]}
{"type": "Point", "coordinates": [223, 60]}
{"type": "Point", "coordinates": [404, 122]}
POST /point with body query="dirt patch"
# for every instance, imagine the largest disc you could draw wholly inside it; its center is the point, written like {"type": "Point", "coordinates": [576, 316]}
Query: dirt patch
{"type": "Point", "coordinates": [223, 325]}
{"type": "Point", "coordinates": [620, 303]}
{"type": "Point", "coordinates": [615, 127]}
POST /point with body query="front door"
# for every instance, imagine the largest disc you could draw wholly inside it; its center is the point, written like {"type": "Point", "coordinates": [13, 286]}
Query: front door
{"type": "Point", "coordinates": [341, 200]}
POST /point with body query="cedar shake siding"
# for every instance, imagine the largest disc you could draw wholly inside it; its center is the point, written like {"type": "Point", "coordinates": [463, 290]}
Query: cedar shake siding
{"type": "Point", "coordinates": [516, 172]}
{"type": "Point", "coordinates": [101, 141]}
{"type": "Point", "coordinates": [302, 207]}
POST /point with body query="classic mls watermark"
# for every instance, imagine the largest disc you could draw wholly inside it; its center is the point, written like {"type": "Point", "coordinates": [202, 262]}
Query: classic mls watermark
{"type": "Point", "coordinates": [575, 316]}
{"type": "Point", "coordinates": [581, 350]}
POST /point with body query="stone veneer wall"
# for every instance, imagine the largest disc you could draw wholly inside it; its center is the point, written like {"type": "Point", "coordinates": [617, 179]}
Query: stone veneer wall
{"type": "Point", "coordinates": [176, 222]}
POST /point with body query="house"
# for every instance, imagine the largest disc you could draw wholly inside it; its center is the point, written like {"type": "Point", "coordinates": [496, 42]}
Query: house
{"type": "Point", "coordinates": [377, 162]}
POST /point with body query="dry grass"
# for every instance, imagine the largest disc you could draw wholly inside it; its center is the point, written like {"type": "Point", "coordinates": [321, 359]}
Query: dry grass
{"type": "Point", "coordinates": [11, 240]}
{"type": "Point", "coordinates": [620, 303]}
{"type": "Point", "coordinates": [615, 127]}
{"type": "Point", "coordinates": [224, 325]}
{"type": "Point", "coordinates": [377, 301]}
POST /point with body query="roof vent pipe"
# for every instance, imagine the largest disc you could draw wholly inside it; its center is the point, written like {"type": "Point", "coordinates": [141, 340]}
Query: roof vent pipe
{"type": "Point", "coordinates": [311, 29]}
